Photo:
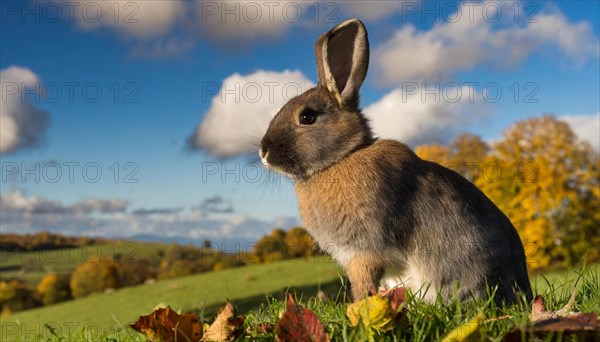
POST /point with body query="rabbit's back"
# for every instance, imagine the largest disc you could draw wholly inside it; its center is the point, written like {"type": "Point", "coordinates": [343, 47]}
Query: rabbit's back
{"type": "Point", "coordinates": [427, 225]}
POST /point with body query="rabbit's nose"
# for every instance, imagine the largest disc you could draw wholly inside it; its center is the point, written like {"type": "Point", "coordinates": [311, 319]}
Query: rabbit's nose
{"type": "Point", "coordinates": [264, 148]}
{"type": "Point", "coordinates": [263, 151]}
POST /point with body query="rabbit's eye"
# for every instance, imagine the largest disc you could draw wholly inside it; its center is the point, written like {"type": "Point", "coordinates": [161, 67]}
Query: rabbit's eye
{"type": "Point", "coordinates": [308, 117]}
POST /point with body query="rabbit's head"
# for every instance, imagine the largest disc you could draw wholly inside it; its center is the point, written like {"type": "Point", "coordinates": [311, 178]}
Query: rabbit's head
{"type": "Point", "coordinates": [324, 124]}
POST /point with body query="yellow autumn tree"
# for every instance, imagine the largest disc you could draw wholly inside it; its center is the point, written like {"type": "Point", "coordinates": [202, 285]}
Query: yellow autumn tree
{"type": "Point", "coordinates": [465, 154]}
{"type": "Point", "coordinates": [437, 153]}
{"type": "Point", "coordinates": [468, 152]}
{"type": "Point", "coordinates": [299, 243]}
{"type": "Point", "coordinates": [54, 288]}
{"type": "Point", "coordinates": [547, 183]}
{"type": "Point", "coordinates": [94, 275]}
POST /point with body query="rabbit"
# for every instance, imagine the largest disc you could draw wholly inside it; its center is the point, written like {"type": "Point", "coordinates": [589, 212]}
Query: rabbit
{"type": "Point", "coordinates": [387, 217]}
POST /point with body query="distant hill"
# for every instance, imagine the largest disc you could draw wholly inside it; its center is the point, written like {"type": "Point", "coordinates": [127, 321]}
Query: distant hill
{"type": "Point", "coordinates": [44, 241]}
{"type": "Point", "coordinates": [226, 245]}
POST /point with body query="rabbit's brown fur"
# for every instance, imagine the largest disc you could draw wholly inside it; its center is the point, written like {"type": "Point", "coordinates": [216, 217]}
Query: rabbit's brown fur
{"type": "Point", "coordinates": [382, 212]}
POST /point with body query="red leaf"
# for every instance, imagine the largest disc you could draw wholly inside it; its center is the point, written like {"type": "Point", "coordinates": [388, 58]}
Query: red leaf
{"type": "Point", "coordinates": [396, 296]}
{"type": "Point", "coordinates": [167, 325]}
{"type": "Point", "coordinates": [265, 328]}
{"type": "Point", "coordinates": [538, 307]}
{"type": "Point", "coordinates": [300, 324]}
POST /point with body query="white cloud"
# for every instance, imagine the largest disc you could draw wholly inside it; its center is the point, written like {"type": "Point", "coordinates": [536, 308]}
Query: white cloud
{"type": "Point", "coordinates": [416, 117]}
{"type": "Point", "coordinates": [22, 125]}
{"type": "Point", "coordinates": [16, 201]}
{"type": "Point", "coordinates": [132, 18]}
{"type": "Point", "coordinates": [91, 205]}
{"type": "Point", "coordinates": [109, 218]}
{"type": "Point", "coordinates": [156, 211]}
{"type": "Point", "coordinates": [247, 20]}
{"type": "Point", "coordinates": [472, 41]}
{"type": "Point", "coordinates": [240, 113]}
{"type": "Point", "coordinates": [587, 127]}
{"type": "Point", "coordinates": [373, 10]}
{"type": "Point", "coordinates": [163, 28]}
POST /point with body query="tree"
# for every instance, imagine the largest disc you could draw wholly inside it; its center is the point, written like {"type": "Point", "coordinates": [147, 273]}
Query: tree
{"type": "Point", "coordinates": [434, 152]}
{"type": "Point", "coordinates": [178, 268]}
{"type": "Point", "coordinates": [16, 296]}
{"type": "Point", "coordinates": [94, 276]}
{"type": "Point", "coordinates": [299, 243]}
{"type": "Point", "coordinates": [133, 272]}
{"type": "Point", "coordinates": [465, 154]}
{"type": "Point", "coordinates": [54, 288]}
{"type": "Point", "coordinates": [271, 247]}
{"type": "Point", "coordinates": [547, 183]}
{"type": "Point", "coordinates": [227, 260]}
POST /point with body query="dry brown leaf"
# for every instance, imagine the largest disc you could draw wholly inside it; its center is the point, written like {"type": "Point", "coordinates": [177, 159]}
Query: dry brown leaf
{"type": "Point", "coordinates": [164, 324]}
{"type": "Point", "coordinates": [226, 325]}
{"type": "Point", "coordinates": [580, 326]}
{"type": "Point", "coordinates": [539, 313]}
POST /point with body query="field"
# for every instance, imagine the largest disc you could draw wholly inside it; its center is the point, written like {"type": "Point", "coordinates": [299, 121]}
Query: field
{"type": "Point", "coordinates": [104, 314]}
{"type": "Point", "coordinates": [32, 266]}
{"type": "Point", "coordinates": [258, 292]}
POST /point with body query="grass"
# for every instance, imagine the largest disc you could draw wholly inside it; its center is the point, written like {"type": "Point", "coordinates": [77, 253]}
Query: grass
{"type": "Point", "coordinates": [33, 266]}
{"type": "Point", "coordinates": [104, 314]}
{"type": "Point", "coordinates": [258, 291]}
{"type": "Point", "coordinates": [433, 322]}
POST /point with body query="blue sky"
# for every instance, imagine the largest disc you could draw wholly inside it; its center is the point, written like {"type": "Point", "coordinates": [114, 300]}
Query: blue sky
{"type": "Point", "coordinates": [160, 120]}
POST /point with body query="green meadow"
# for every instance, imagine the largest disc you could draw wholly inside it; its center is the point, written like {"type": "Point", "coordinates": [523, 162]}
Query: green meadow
{"type": "Point", "coordinates": [258, 291]}
{"type": "Point", "coordinates": [33, 266]}
{"type": "Point", "coordinates": [106, 313]}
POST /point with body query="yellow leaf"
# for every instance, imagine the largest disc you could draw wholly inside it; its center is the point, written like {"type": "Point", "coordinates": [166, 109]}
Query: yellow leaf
{"type": "Point", "coordinates": [466, 332]}
{"type": "Point", "coordinates": [374, 312]}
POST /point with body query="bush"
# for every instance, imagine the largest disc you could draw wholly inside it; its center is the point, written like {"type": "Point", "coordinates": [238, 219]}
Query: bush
{"type": "Point", "coordinates": [299, 243]}
{"type": "Point", "coordinates": [94, 276]}
{"type": "Point", "coordinates": [16, 296]}
{"type": "Point", "coordinates": [133, 273]}
{"type": "Point", "coordinates": [178, 268]}
{"type": "Point", "coordinates": [271, 247]}
{"type": "Point", "coordinates": [228, 261]}
{"type": "Point", "coordinates": [54, 288]}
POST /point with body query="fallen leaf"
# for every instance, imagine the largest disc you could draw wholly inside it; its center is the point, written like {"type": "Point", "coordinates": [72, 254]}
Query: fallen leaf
{"type": "Point", "coordinates": [583, 326]}
{"type": "Point", "coordinates": [380, 311]}
{"type": "Point", "coordinates": [265, 328]}
{"type": "Point", "coordinates": [580, 326]}
{"type": "Point", "coordinates": [225, 326]}
{"type": "Point", "coordinates": [539, 313]}
{"type": "Point", "coordinates": [164, 324]}
{"type": "Point", "coordinates": [396, 296]}
{"type": "Point", "coordinates": [537, 308]}
{"type": "Point", "coordinates": [300, 324]}
{"type": "Point", "coordinates": [373, 312]}
{"type": "Point", "coordinates": [466, 332]}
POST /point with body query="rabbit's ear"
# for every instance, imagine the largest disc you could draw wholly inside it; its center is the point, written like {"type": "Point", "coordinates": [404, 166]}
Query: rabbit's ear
{"type": "Point", "coordinates": [342, 60]}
